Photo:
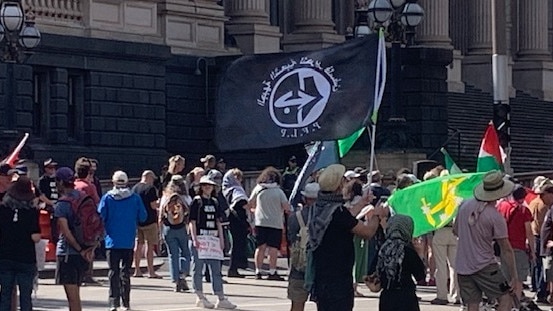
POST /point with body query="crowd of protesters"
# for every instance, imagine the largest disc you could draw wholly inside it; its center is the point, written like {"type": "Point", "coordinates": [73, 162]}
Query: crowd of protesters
{"type": "Point", "coordinates": [341, 236]}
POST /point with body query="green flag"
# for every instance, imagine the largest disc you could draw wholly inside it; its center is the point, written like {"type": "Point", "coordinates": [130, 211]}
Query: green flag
{"type": "Point", "coordinates": [450, 165]}
{"type": "Point", "coordinates": [344, 145]}
{"type": "Point", "coordinates": [433, 204]}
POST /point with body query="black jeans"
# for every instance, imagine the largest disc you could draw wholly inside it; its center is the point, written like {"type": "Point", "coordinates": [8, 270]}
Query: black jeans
{"type": "Point", "coordinates": [119, 261]}
{"type": "Point", "coordinates": [12, 274]}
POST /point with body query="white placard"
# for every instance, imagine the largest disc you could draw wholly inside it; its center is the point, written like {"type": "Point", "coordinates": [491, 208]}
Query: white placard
{"type": "Point", "coordinates": [40, 249]}
{"type": "Point", "coordinates": [209, 247]}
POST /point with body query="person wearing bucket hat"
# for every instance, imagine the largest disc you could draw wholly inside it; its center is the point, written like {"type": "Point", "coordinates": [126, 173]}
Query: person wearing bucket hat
{"type": "Point", "coordinates": [477, 225]}
{"type": "Point", "coordinates": [297, 237]}
{"type": "Point", "coordinates": [19, 231]}
{"type": "Point", "coordinates": [331, 230]}
{"type": "Point", "coordinates": [205, 222]}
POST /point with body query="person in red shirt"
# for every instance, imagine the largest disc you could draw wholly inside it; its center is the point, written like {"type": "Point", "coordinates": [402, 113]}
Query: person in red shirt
{"type": "Point", "coordinates": [82, 183]}
{"type": "Point", "coordinates": [519, 220]}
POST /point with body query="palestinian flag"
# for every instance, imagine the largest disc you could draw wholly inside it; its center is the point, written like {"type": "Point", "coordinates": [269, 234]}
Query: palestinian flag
{"type": "Point", "coordinates": [490, 157]}
{"type": "Point", "coordinates": [433, 204]}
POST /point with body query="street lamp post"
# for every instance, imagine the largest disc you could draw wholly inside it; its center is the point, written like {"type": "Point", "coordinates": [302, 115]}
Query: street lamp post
{"type": "Point", "coordinates": [18, 36]}
{"type": "Point", "coordinates": [398, 18]}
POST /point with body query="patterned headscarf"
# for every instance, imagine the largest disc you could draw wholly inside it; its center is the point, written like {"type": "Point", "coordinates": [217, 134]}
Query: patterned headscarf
{"type": "Point", "coordinates": [390, 257]}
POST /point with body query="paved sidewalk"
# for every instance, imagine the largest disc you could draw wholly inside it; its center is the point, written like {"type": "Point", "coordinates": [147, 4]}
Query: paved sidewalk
{"type": "Point", "coordinates": [249, 294]}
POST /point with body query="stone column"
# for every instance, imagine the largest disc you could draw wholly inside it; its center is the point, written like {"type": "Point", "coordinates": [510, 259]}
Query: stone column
{"type": "Point", "coordinates": [477, 63]}
{"type": "Point", "coordinates": [314, 28]}
{"type": "Point", "coordinates": [533, 38]}
{"type": "Point", "coordinates": [247, 12]}
{"type": "Point", "coordinates": [434, 28]}
{"type": "Point", "coordinates": [249, 25]}
{"type": "Point", "coordinates": [480, 29]}
{"type": "Point", "coordinates": [533, 69]}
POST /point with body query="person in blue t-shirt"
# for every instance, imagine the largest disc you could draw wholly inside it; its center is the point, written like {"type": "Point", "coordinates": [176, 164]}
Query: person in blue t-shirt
{"type": "Point", "coordinates": [72, 259]}
{"type": "Point", "coordinates": [121, 210]}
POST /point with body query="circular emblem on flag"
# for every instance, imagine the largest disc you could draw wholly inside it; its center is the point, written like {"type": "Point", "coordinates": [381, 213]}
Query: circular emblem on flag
{"type": "Point", "coordinates": [299, 97]}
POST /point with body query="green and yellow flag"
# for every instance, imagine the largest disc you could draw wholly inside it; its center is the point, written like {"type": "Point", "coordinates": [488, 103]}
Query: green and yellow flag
{"type": "Point", "coordinates": [433, 204]}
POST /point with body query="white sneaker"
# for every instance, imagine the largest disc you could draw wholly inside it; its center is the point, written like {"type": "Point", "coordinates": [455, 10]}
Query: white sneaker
{"type": "Point", "coordinates": [204, 303]}
{"type": "Point", "coordinates": [225, 304]}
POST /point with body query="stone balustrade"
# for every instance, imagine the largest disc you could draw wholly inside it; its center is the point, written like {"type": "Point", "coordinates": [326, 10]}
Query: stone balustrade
{"type": "Point", "coordinates": [68, 10]}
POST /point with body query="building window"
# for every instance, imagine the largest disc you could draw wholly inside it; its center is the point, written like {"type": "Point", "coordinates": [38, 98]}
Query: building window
{"type": "Point", "coordinates": [75, 88]}
{"type": "Point", "coordinates": [40, 103]}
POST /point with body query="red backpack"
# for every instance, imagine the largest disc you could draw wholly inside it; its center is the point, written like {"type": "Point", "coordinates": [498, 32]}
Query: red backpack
{"type": "Point", "coordinates": [88, 228]}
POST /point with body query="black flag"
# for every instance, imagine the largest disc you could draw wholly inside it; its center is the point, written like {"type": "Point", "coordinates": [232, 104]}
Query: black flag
{"type": "Point", "coordinates": [275, 100]}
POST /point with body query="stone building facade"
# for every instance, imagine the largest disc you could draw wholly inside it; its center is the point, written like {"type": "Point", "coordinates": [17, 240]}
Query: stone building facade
{"type": "Point", "coordinates": [131, 82]}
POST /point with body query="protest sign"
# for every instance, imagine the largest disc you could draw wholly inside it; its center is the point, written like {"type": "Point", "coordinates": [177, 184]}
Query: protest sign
{"type": "Point", "coordinates": [209, 247]}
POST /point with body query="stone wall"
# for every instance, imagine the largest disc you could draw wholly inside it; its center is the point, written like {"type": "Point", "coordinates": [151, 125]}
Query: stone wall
{"type": "Point", "coordinates": [99, 98]}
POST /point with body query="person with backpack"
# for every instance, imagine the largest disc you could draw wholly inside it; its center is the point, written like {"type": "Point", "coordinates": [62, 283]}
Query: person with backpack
{"type": "Point", "coordinates": [206, 230]}
{"type": "Point", "coordinates": [74, 212]}
{"type": "Point", "coordinates": [121, 210]}
{"type": "Point", "coordinates": [173, 220]}
{"type": "Point", "coordinates": [298, 235]}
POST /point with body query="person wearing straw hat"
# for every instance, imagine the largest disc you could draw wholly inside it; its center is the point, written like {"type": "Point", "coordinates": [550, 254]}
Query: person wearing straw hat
{"type": "Point", "coordinates": [478, 224]}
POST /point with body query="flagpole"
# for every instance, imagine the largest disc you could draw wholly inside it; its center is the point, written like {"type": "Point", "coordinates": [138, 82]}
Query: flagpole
{"type": "Point", "coordinates": [315, 149]}
{"type": "Point", "coordinates": [379, 85]}
{"type": "Point", "coordinates": [11, 158]}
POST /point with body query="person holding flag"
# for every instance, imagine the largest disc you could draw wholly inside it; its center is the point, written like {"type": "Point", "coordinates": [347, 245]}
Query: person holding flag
{"type": "Point", "coordinates": [330, 249]}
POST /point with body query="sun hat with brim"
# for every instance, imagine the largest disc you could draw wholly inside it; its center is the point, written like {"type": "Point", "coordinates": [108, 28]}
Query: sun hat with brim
{"type": "Point", "coordinates": [205, 180]}
{"type": "Point", "coordinates": [493, 187]}
{"type": "Point", "coordinates": [22, 189]}
{"type": "Point", "coordinates": [331, 178]}
{"type": "Point", "coordinates": [538, 182]}
{"type": "Point", "coordinates": [545, 186]}
{"type": "Point", "coordinates": [311, 190]}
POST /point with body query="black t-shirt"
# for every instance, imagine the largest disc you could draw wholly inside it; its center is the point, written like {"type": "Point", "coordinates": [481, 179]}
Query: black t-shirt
{"type": "Point", "coordinates": [148, 195]}
{"type": "Point", "coordinates": [15, 236]}
{"type": "Point", "coordinates": [335, 255]}
{"type": "Point", "coordinates": [47, 186]}
{"type": "Point", "coordinates": [205, 213]}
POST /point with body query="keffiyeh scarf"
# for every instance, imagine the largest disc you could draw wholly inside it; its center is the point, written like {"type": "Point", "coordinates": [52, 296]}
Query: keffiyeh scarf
{"type": "Point", "coordinates": [391, 254]}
